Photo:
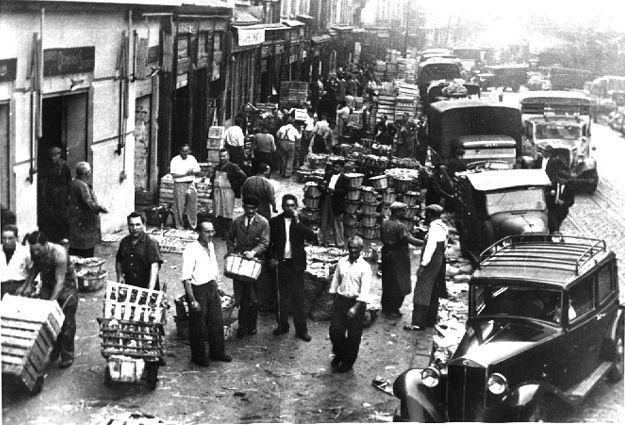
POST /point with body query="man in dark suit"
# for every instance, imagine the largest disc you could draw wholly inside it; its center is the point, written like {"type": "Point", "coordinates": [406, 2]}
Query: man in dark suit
{"type": "Point", "coordinates": [559, 200]}
{"type": "Point", "coordinates": [333, 204]}
{"type": "Point", "coordinates": [287, 256]}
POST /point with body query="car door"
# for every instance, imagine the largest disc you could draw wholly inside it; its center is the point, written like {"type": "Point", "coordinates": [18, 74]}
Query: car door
{"type": "Point", "coordinates": [584, 337]}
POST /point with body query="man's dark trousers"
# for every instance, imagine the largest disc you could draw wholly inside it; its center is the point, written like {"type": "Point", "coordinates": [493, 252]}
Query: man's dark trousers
{"type": "Point", "coordinates": [206, 325]}
{"type": "Point", "coordinates": [291, 297]}
{"type": "Point", "coordinates": [245, 295]}
{"type": "Point", "coordinates": [345, 332]}
{"type": "Point", "coordinates": [64, 345]}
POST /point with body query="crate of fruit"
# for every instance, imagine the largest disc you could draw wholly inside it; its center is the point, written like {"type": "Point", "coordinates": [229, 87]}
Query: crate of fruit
{"type": "Point", "coordinates": [89, 281]}
{"type": "Point", "coordinates": [28, 330]}
{"type": "Point", "coordinates": [131, 338]}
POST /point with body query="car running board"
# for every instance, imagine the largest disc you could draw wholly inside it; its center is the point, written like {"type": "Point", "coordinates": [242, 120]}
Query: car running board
{"type": "Point", "coordinates": [581, 389]}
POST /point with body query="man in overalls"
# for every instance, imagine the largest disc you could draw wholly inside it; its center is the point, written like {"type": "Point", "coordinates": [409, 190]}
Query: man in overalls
{"type": "Point", "coordinates": [226, 181]}
{"type": "Point", "coordinates": [429, 276]}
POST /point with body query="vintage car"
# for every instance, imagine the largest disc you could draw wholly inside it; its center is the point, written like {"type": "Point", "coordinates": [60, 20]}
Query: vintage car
{"type": "Point", "coordinates": [557, 124]}
{"type": "Point", "coordinates": [434, 69]}
{"type": "Point", "coordinates": [544, 327]}
{"type": "Point", "coordinates": [497, 203]}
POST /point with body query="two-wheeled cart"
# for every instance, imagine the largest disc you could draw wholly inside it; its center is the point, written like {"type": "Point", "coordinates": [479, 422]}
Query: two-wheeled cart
{"type": "Point", "coordinates": [132, 332]}
{"type": "Point", "coordinates": [28, 331]}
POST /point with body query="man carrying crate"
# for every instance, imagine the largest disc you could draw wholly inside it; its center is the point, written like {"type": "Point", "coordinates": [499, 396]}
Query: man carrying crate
{"type": "Point", "coordinates": [58, 282]}
{"type": "Point", "coordinates": [199, 277]}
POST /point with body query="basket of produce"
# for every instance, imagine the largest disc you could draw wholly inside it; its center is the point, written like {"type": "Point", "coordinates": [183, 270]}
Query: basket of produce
{"type": "Point", "coordinates": [369, 220]}
{"type": "Point", "coordinates": [353, 195]}
{"type": "Point", "coordinates": [125, 369]}
{"type": "Point", "coordinates": [312, 190]}
{"type": "Point", "coordinates": [388, 196]}
{"type": "Point", "coordinates": [371, 232]}
{"type": "Point", "coordinates": [402, 185]}
{"type": "Point", "coordinates": [412, 212]}
{"type": "Point", "coordinates": [157, 216]}
{"type": "Point", "coordinates": [317, 161]}
{"type": "Point", "coordinates": [379, 182]}
{"type": "Point", "coordinates": [351, 207]}
{"type": "Point", "coordinates": [350, 220]}
{"type": "Point", "coordinates": [354, 180]}
{"type": "Point", "coordinates": [312, 203]}
{"type": "Point", "coordinates": [411, 198]}
{"type": "Point", "coordinates": [89, 281]}
{"type": "Point", "coordinates": [352, 231]}
{"type": "Point", "coordinates": [369, 195]}
{"type": "Point", "coordinates": [369, 208]}
{"type": "Point", "coordinates": [91, 264]}
{"type": "Point", "coordinates": [240, 268]}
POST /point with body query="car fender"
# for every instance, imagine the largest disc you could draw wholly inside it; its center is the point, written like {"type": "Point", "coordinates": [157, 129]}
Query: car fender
{"type": "Point", "coordinates": [589, 164]}
{"type": "Point", "coordinates": [526, 393]}
{"type": "Point", "coordinates": [419, 401]}
{"type": "Point", "coordinates": [618, 320]}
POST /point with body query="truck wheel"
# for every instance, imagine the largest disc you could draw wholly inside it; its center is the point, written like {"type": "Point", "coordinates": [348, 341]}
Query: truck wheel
{"type": "Point", "coordinates": [617, 347]}
{"type": "Point", "coordinates": [151, 375]}
{"type": "Point", "coordinates": [38, 386]}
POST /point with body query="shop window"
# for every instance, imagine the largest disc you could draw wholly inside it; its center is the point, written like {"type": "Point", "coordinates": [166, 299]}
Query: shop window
{"type": "Point", "coordinates": [604, 282]}
{"type": "Point", "coordinates": [203, 45]}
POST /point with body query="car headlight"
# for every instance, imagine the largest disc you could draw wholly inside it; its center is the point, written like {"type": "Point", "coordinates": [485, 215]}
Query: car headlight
{"type": "Point", "coordinates": [430, 377]}
{"type": "Point", "coordinates": [497, 383]}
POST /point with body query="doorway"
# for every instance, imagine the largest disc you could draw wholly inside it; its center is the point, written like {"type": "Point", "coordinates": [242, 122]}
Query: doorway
{"type": "Point", "coordinates": [64, 125]}
{"type": "Point", "coordinates": [6, 166]}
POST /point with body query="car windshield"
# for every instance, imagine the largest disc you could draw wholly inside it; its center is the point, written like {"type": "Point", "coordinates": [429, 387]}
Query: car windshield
{"type": "Point", "coordinates": [558, 131]}
{"type": "Point", "coordinates": [529, 199]}
{"type": "Point", "coordinates": [498, 300]}
{"type": "Point", "coordinates": [440, 71]}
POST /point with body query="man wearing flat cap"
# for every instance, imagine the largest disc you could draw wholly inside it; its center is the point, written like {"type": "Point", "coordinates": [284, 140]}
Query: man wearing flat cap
{"type": "Point", "coordinates": [248, 236]}
{"type": "Point", "coordinates": [559, 199]}
{"type": "Point", "coordinates": [395, 260]}
{"type": "Point", "coordinates": [429, 276]}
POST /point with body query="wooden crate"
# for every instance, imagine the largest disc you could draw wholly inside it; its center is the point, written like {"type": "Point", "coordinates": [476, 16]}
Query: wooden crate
{"type": "Point", "coordinates": [131, 338]}
{"type": "Point", "coordinates": [216, 132]}
{"type": "Point", "coordinates": [28, 329]}
{"type": "Point", "coordinates": [213, 143]}
{"type": "Point", "coordinates": [130, 303]}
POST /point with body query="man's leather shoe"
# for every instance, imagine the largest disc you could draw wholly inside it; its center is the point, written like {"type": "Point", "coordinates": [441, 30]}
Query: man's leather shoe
{"type": "Point", "coordinates": [336, 362]}
{"type": "Point", "coordinates": [304, 336]}
{"type": "Point", "coordinates": [66, 363]}
{"type": "Point", "coordinates": [252, 331]}
{"type": "Point", "coordinates": [162, 361]}
{"type": "Point", "coordinates": [280, 331]}
{"type": "Point", "coordinates": [241, 332]}
{"type": "Point", "coordinates": [225, 358]}
{"type": "Point", "coordinates": [344, 368]}
{"type": "Point", "coordinates": [200, 361]}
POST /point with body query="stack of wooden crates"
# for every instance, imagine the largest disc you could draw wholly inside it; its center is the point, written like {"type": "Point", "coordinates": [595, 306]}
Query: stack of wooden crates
{"type": "Point", "coordinates": [213, 144]}
{"type": "Point", "coordinates": [29, 328]}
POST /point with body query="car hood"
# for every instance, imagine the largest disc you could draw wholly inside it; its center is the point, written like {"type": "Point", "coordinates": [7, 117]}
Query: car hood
{"type": "Point", "coordinates": [491, 341]}
{"type": "Point", "coordinates": [506, 224]}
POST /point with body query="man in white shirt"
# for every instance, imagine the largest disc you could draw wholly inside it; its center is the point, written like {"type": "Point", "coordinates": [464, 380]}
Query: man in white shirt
{"type": "Point", "coordinates": [14, 261]}
{"type": "Point", "coordinates": [183, 169]}
{"type": "Point", "coordinates": [199, 277]}
{"type": "Point", "coordinates": [287, 136]}
{"type": "Point", "coordinates": [287, 255]}
{"type": "Point", "coordinates": [234, 141]}
{"type": "Point", "coordinates": [351, 285]}
{"type": "Point", "coordinates": [429, 275]}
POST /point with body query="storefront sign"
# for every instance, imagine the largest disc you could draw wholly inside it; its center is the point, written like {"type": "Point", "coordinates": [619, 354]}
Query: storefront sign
{"type": "Point", "coordinates": [68, 61]}
{"type": "Point", "coordinates": [7, 69]}
{"type": "Point", "coordinates": [250, 37]}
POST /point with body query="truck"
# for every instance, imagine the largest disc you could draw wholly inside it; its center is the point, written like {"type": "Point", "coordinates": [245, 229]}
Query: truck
{"type": "Point", "coordinates": [487, 132]}
{"type": "Point", "coordinates": [506, 76]}
{"type": "Point", "coordinates": [557, 125]}
{"type": "Point", "coordinates": [435, 69]}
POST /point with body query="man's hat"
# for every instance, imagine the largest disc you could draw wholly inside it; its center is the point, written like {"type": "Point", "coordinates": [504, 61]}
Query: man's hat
{"type": "Point", "coordinates": [434, 209]}
{"type": "Point", "coordinates": [251, 200]}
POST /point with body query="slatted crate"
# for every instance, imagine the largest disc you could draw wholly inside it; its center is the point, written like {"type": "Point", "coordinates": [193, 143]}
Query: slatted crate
{"type": "Point", "coordinates": [131, 338]}
{"type": "Point", "coordinates": [28, 329]}
{"type": "Point", "coordinates": [131, 303]}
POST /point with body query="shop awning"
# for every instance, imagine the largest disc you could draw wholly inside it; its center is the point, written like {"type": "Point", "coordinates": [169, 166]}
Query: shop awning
{"type": "Point", "coordinates": [319, 39]}
{"type": "Point", "coordinates": [305, 17]}
{"type": "Point", "coordinates": [293, 23]}
{"type": "Point", "coordinates": [244, 18]}
{"type": "Point", "coordinates": [275, 27]}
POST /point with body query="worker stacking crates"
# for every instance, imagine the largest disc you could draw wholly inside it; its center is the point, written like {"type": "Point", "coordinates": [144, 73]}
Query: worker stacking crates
{"type": "Point", "coordinates": [29, 328]}
{"type": "Point", "coordinates": [132, 332]}
{"type": "Point", "coordinates": [213, 144]}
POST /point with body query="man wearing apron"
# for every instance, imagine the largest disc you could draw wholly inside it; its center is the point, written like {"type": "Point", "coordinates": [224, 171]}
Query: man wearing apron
{"type": "Point", "coordinates": [429, 276]}
{"type": "Point", "coordinates": [226, 182]}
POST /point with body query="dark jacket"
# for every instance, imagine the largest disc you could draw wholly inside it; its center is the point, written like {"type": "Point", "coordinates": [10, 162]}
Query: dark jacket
{"type": "Point", "coordinates": [340, 191]}
{"type": "Point", "coordinates": [567, 196]}
{"type": "Point", "coordinates": [298, 233]}
{"type": "Point", "coordinates": [84, 216]}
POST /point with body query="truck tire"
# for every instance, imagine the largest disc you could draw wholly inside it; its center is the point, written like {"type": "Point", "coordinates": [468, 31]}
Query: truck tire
{"type": "Point", "coordinates": [617, 348]}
